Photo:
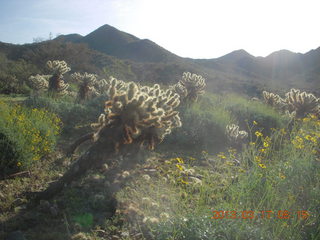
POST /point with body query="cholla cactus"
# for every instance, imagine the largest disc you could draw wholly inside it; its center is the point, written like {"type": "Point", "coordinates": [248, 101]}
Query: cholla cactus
{"type": "Point", "coordinates": [290, 115]}
{"type": "Point", "coordinates": [87, 82]}
{"type": "Point", "coordinates": [39, 82]}
{"type": "Point", "coordinates": [138, 114]}
{"type": "Point", "coordinates": [254, 99]}
{"type": "Point", "coordinates": [180, 89]}
{"type": "Point", "coordinates": [190, 86]}
{"type": "Point", "coordinates": [103, 85]}
{"type": "Point", "coordinates": [234, 134]}
{"type": "Point", "coordinates": [302, 103]}
{"type": "Point", "coordinates": [58, 67]}
{"type": "Point", "coordinates": [56, 83]}
{"type": "Point", "coordinates": [274, 100]}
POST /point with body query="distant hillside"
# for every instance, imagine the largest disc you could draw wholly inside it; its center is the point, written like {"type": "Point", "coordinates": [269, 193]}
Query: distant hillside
{"type": "Point", "coordinates": [108, 51]}
{"type": "Point", "coordinates": [282, 69]}
{"type": "Point", "coordinates": [111, 41]}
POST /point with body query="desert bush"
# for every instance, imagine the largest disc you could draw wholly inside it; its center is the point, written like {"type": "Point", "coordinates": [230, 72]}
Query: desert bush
{"type": "Point", "coordinates": [246, 112]}
{"type": "Point", "coordinates": [73, 115]}
{"type": "Point", "coordinates": [203, 126]}
{"type": "Point", "coordinates": [26, 135]}
{"type": "Point", "coordinates": [13, 75]}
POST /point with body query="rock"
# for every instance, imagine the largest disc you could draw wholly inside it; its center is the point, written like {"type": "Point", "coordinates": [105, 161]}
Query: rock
{"type": "Point", "coordinates": [17, 235]}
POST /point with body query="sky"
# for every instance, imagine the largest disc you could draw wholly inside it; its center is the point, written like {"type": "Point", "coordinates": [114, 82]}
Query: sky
{"type": "Point", "coordinates": [188, 28]}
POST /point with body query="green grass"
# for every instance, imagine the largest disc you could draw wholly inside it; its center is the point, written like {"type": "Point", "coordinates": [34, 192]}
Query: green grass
{"type": "Point", "coordinates": [175, 195]}
{"type": "Point", "coordinates": [16, 98]}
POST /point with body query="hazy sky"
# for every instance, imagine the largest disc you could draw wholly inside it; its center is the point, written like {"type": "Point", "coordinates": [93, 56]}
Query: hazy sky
{"type": "Point", "coordinates": [188, 28]}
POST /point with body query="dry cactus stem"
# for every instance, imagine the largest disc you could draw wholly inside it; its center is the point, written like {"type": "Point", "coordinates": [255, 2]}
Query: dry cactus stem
{"type": "Point", "coordinates": [56, 83]}
{"type": "Point", "coordinates": [190, 86]}
{"type": "Point", "coordinates": [234, 134]}
{"type": "Point", "coordinates": [39, 82]}
{"type": "Point", "coordinates": [302, 103]}
{"type": "Point", "coordinates": [274, 100]}
{"type": "Point", "coordinates": [134, 116]}
{"type": "Point", "coordinates": [86, 88]}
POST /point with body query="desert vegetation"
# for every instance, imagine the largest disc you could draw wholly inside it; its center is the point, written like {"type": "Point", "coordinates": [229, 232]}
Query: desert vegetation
{"type": "Point", "coordinates": [89, 156]}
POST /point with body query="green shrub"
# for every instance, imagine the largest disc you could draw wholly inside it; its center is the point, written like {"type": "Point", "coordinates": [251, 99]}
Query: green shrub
{"type": "Point", "coordinates": [73, 115]}
{"type": "Point", "coordinates": [203, 126]}
{"type": "Point", "coordinates": [246, 112]}
{"type": "Point", "coordinates": [26, 135]}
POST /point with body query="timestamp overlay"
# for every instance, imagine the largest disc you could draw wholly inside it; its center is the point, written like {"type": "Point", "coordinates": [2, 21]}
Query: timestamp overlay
{"type": "Point", "coordinates": [260, 214]}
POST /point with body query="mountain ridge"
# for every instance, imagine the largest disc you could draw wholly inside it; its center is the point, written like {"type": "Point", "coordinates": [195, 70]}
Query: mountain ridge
{"type": "Point", "coordinates": [144, 60]}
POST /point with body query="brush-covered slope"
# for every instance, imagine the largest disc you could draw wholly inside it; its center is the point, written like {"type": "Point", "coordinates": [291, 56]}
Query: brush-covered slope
{"type": "Point", "coordinates": [111, 41]}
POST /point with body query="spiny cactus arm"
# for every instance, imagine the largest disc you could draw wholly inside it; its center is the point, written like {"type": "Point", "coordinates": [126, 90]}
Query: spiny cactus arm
{"type": "Point", "coordinates": [180, 89]}
{"type": "Point", "coordinates": [273, 100]}
{"type": "Point", "coordinates": [233, 133]}
{"type": "Point", "coordinates": [194, 85]}
{"type": "Point", "coordinates": [39, 82]}
{"type": "Point", "coordinates": [58, 67]}
{"type": "Point", "coordinates": [302, 103]}
{"type": "Point", "coordinates": [85, 78]}
{"type": "Point", "coordinates": [142, 113]}
{"type": "Point", "coordinates": [56, 83]}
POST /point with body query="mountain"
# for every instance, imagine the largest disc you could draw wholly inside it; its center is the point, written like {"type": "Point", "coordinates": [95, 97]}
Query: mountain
{"type": "Point", "coordinates": [109, 51]}
{"type": "Point", "coordinates": [69, 38]}
{"type": "Point", "coordinates": [111, 41]}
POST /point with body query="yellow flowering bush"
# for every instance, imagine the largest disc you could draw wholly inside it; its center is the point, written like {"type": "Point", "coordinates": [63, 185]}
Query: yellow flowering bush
{"type": "Point", "coordinates": [26, 135]}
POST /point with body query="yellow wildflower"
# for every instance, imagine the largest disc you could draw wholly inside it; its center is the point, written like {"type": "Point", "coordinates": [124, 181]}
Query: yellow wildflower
{"type": "Point", "coordinates": [179, 167]}
{"type": "Point", "coordinates": [184, 182]}
{"type": "Point", "coordinates": [258, 134]}
{"type": "Point", "coordinates": [262, 165]}
{"type": "Point", "coordinates": [252, 143]}
{"type": "Point", "coordinates": [180, 160]}
{"type": "Point", "coordinates": [257, 158]}
{"type": "Point", "coordinates": [308, 137]}
{"type": "Point", "coordinates": [306, 119]}
{"type": "Point", "coordinates": [313, 139]}
{"type": "Point", "coordinates": [255, 123]}
{"type": "Point", "coordinates": [262, 150]}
